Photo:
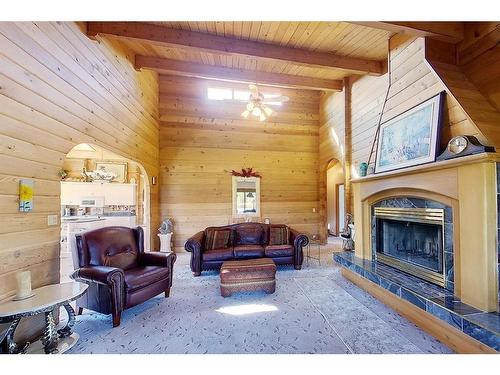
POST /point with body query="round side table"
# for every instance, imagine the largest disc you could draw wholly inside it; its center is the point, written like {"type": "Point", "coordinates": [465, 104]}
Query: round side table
{"type": "Point", "coordinates": [44, 301]}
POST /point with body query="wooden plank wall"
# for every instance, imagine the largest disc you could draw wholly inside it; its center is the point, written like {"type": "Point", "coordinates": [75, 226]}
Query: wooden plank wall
{"type": "Point", "coordinates": [484, 72]}
{"type": "Point", "coordinates": [332, 143]}
{"type": "Point", "coordinates": [412, 82]}
{"type": "Point", "coordinates": [201, 141]}
{"type": "Point", "coordinates": [57, 89]}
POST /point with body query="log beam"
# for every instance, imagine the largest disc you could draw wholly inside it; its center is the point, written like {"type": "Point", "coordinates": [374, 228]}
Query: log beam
{"type": "Point", "coordinates": [163, 36]}
{"type": "Point", "coordinates": [451, 32]}
{"type": "Point", "coordinates": [189, 69]}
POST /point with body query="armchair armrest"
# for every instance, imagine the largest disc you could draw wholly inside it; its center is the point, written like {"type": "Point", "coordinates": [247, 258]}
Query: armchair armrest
{"type": "Point", "coordinates": [195, 245]}
{"type": "Point", "coordinates": [103, 277]}
{"type": "Point", "coordinates": [99, 274]}
{"type": "Point", "coordinates": [299, 240]}
{"type": "Point", "coordinates": [158, 259]}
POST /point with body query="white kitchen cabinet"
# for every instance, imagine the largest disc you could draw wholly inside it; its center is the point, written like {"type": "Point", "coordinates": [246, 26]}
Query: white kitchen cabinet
{"type": "Point", "coordinates": [115, 194]}
{"type": "Point", "coordinates": [119, 194]}
{"type": "Point", "coordinates": [72, 192]}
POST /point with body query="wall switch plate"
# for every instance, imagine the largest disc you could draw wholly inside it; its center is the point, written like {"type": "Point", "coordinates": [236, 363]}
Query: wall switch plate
{"type": "Point", "coordinates": [51, 219]}
{"type": "Point", "coordinates": [314, 209]}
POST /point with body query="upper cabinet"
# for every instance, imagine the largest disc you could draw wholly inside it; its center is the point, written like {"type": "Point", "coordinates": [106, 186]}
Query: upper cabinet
{"type": "Point", "coordinates": [119, 194]}
{"type": "Point", "coordinates": [114, 194]}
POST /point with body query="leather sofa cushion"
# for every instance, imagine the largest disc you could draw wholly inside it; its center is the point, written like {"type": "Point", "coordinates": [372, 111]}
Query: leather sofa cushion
{"type": "Point", "coordinates": [248, 251]}
{"type": "Point", "coordinates": [279, 235]}
{"type": "Point", "coordinates": [112, 247]}
{"type": "Point", "coordinates": [218, 254]}
{"type": "Point", "coordinates": [141, 277]}
{"type": "Point", "coordinates": [274, 251]}
{"type": "Point", "coordinates": [249, 234]}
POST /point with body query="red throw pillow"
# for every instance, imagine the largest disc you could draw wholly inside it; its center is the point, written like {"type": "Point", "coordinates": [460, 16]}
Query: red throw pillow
{"type": "Point", "coordinates": [279, 235]}
{"type": "Point", "coordinates": [217, 239]}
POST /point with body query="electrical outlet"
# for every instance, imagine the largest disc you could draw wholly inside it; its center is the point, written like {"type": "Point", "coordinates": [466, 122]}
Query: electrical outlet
{"type": "Point", "coordinates": [314, 209]}
{"type": "Point", "coordinates": [51, 219]}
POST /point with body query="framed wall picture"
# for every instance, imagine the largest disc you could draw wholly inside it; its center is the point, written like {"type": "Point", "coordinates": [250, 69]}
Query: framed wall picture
{"type": "Point", "coordinates": [26, 193]}
{"type": "Point", "coordinates": [118, 168]}
{"type": "Point", "coordinates": [410, 138]}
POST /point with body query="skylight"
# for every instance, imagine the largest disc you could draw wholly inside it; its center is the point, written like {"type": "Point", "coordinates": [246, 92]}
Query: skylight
{"type": "Point", "coordinates": [224, 93]}
{"type": "Point", "coordinates": [216, 93]}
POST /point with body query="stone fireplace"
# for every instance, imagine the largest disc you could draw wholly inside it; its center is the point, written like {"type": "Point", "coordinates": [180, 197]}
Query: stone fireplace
{"type": "Point", "coordinates": [437, 222]}
{"type": "Point", "coordinates": [415, 236]}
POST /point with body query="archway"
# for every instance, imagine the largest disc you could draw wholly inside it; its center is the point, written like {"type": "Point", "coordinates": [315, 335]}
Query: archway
{"type": "Point", "coordinates": [335, 208]}
{"type": "Point", "coordinates": [125, 201]}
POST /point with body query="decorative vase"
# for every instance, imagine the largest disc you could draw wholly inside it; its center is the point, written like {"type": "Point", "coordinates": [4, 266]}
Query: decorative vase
{"type": "Point", "coordinates": [165, 242]}
{"type": "Point", "coordinates": [363, 168]}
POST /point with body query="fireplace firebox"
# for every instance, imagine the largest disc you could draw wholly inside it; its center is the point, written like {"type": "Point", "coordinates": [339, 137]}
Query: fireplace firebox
{"type": "Point", "coordinates": [412, 240]}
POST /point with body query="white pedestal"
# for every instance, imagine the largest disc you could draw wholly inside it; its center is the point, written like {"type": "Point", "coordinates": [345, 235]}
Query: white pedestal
{"type": "Point", "coordinates": [165, 242]}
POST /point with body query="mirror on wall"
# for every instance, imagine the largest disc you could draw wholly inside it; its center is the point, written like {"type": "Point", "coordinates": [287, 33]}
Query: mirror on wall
{"type": "Point", "coordinates": [246, 196]}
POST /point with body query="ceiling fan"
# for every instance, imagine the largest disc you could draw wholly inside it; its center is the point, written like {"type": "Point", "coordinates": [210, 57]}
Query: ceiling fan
{"type": "Point", "coordinates": [258, 104]}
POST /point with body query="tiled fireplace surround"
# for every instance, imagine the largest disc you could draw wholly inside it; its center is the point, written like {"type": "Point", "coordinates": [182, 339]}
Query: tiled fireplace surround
{"type": "Point", "coordinates": [467, 190]}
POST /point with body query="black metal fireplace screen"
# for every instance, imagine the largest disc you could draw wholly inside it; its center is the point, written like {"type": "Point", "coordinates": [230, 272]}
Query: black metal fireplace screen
{"type": "Point", "coordinates": [411, 239]}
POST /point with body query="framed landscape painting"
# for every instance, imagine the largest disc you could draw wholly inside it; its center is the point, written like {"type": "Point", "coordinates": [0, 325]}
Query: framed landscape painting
{"type": "Point", "coordinates": [410, 138]}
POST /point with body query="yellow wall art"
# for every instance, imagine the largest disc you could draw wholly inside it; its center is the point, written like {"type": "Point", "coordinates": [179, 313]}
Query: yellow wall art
{"type": "Point", "coordinates": [25, 195]}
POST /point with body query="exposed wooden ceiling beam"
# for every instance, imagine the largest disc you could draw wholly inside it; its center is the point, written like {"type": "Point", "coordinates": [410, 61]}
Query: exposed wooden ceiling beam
{"type": "Point", "coordinates": [189, 69]}
{"type": "Point", "coordinates": [163, 36]}
{"type": "Point", "coordinates": [451, 32]}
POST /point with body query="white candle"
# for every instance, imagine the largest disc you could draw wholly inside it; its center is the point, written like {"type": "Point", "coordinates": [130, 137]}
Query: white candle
{"type": "Point", "coordinates": [23, 284]}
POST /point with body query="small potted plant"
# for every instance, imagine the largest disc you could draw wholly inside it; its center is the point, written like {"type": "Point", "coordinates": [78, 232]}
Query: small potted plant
{"type": "Point", "coordinates": [166, 231]}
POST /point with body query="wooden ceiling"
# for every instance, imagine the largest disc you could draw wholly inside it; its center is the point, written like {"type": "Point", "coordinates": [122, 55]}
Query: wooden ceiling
{"type": "Point", "coordinates": [311, 55]}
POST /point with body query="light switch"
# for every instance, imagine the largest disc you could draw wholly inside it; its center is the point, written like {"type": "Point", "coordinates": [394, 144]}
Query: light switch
{"type": "Point", "coordinates": [51, 219]}
{"type": "Point", "coordinates": [314, 209]}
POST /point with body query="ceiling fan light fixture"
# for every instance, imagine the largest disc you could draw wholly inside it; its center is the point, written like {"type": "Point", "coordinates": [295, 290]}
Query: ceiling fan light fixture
{"type": "Point", "coordinates": [245, 114]}
{"type": "Point", "coordinates": [250, 106]}
{"type": "Point", "coordinates": [262, 117]}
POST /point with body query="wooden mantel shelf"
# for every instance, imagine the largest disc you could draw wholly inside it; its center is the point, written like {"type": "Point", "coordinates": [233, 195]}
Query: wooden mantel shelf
{"type": "Point", "coordinates": [471, 159]}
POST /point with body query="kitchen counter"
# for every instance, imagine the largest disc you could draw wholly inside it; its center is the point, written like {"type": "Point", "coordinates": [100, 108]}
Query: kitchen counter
{"type": "Point", "coordinates": [80, 219]}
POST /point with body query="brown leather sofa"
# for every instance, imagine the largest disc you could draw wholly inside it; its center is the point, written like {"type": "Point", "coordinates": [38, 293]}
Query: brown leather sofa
{"type": "Point", "coordinates": [119, 273]}
{"type": "Point", "coordinates": [245, 241]}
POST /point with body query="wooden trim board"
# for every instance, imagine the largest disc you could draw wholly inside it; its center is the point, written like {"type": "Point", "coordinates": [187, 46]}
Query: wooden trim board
{"type": "Point", "coordinates": [453, 338]}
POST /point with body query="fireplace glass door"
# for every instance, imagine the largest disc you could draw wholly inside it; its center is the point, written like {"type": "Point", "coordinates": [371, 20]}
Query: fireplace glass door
{"type": "Point", "coordinates": [419, 244]}
{"type": "Point", "coordinates": [411, 240]}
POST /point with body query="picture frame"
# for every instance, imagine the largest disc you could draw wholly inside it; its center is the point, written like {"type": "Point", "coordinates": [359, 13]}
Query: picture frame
{"type": "Point", "coordinates": [410, 138]}
{"type": "Point", "coordinates": [119, 168]}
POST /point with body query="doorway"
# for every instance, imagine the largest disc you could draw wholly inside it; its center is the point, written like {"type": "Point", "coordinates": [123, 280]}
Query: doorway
{"type": "Point", "coordinates": [100, 188]}
{"type": "Point", "coordinates": [335, 198]}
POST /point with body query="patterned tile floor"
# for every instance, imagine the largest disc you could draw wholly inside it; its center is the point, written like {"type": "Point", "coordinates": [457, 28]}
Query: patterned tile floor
{"type": "Point", "coordinates": [314, 310]}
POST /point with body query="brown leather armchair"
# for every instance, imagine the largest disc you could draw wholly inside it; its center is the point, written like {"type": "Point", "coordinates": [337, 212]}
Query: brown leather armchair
{"type": "Point", "coordinates": [119, 273]}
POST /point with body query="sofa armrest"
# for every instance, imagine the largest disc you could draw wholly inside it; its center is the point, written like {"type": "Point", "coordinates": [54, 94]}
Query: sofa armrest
{"type": "Point", "coordinates": [298, 240]}
{"type": "Point", "coordinates": [195, 242]}
{"type": "Point", "coordinates": [195, 245]}
{"type": "Point", "coordinates": [158, 259]}
{"type": "Point", "coordinates": [99, 274]}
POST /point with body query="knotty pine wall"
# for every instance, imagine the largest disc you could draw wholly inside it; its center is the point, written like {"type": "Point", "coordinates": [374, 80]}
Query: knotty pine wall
{"type": "Point", "coordinates": [484, 72]}
{"type": "Point", "coordinates": [412, 81]}
{"type": "Point", "coordinates": [201, 141]}
{"type": "Point", "coordinates": [58, 89]}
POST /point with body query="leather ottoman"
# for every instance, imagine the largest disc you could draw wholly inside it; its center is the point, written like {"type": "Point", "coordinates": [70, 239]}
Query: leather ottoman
{"type": "Point", "coordinates": [247, 276]}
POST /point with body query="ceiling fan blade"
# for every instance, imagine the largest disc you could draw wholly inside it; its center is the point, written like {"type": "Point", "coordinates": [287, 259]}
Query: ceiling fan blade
{"type": "Point", "coordinates": [281, 99]}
